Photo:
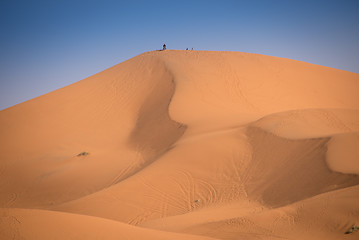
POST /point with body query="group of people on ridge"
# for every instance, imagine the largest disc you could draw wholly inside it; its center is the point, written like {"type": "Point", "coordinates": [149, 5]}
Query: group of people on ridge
{"type": "Point", "coordinates": [164, 47]}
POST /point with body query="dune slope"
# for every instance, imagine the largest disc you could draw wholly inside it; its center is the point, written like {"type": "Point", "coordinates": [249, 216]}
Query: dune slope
{"type": "Point", "coordinates": [41, 224]}
{"type": "Point", "coordinates": [225, 145]}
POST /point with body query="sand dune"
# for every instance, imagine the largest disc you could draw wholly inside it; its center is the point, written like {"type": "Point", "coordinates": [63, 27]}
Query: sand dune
{"type": "Point", "coordinates": [41, 224]}
{"type": "Point", "coordinates": [186, 145]}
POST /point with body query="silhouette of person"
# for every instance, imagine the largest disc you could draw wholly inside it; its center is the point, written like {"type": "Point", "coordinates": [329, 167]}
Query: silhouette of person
{"type": "Point", "coordinates": [164, 46]}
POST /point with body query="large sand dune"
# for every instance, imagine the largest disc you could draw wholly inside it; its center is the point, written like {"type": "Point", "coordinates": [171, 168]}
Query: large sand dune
{"type": "Point", "coordinates": [186, 145]}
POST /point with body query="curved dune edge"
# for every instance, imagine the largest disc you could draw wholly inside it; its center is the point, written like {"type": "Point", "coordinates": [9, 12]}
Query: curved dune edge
{"type": "Point", "coordinates": [310, 123]}
{"type": "Point", "coordinates": [341, 125]}
{"type": "Point", "coordinates": [41, 224]}
{"type": "Point", "coordinates": [227, 145]}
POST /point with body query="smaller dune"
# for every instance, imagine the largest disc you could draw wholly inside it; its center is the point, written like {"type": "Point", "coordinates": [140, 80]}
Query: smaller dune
{"type": "Point", "coordinates": [34, 224]}
{"type": "Point", "coordinates": [310, 123]}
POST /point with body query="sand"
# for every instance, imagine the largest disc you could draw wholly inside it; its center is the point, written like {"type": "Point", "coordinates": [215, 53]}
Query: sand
{"type": "Point", "coordinates": [186, 145]}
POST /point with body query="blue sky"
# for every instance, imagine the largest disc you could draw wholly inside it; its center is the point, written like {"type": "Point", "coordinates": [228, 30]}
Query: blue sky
{"type": "Point", "coordinates": [46, 45]}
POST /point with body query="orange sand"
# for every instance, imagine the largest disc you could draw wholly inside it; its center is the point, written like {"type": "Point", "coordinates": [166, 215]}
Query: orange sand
{"type": "Point", "coordinates": [186, 145]}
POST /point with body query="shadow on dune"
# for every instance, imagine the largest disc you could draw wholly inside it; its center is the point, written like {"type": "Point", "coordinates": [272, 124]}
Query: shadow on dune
{"type": "Point", "coordinates": [155, 132]}
{"type": "Point", "coordinates": [284, 171]}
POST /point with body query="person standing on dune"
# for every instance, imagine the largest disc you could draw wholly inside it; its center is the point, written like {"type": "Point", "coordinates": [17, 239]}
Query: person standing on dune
{"type": "Point", "coordinates": [164, 47]}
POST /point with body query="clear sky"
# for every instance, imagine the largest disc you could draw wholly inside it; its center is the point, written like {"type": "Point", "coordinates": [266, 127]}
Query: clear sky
{"type": "Point", "coordinates": [48, 44]}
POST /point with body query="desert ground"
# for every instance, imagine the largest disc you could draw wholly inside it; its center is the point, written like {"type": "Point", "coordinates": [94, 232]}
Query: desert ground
{"type": "Point", "coordinates": [186, 145]}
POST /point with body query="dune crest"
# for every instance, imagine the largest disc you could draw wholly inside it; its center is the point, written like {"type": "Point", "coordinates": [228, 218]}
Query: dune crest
{"type": "Point", "coordinates": [186, 145]}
